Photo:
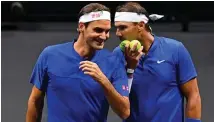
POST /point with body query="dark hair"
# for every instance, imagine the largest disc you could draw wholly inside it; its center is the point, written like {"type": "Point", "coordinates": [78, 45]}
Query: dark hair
{"type": "Point", "coordinates": [136, 8]}
{"type": "Point", "coordinates": [92, 7]}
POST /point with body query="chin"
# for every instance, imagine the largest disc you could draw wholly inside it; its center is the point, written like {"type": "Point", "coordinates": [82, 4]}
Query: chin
{"type": "Point", "coordinates": [98, 47]}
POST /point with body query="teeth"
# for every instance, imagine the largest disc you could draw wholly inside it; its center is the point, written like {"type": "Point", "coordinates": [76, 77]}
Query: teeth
{"type": "Point", "coordinates": [100, 40]}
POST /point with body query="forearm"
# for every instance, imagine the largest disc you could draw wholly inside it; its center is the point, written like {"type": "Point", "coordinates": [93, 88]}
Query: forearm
{"type": "Point", "coordinates": [119, 104]}
{"type": "Point", "coordinates": [193, 107]}
{"type": "Point", "coordinates": [34, 111]}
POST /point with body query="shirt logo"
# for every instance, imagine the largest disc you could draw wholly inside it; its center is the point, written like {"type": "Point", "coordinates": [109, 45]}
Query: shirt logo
{"type": "Point", "coordinates": [125, 87]}
{"type": "Point", "coordinates": [160, 61]}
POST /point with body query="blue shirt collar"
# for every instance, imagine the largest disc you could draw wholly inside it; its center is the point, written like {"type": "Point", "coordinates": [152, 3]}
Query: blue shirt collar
{"type": "Point", "coordinates": [77, 56]}
{"type": "Point", "coordinates": [154, 45]}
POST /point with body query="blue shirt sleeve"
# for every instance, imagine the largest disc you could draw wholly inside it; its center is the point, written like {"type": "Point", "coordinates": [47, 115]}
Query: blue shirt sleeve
{"type": "Point", "coordinates": [117, 52]}
{"type": "Point", "coordinates": [185, 66]}
{"type": "Point", "coordinates": [39, 74]}
{"type": "Point", "coordinates": [120, 79]}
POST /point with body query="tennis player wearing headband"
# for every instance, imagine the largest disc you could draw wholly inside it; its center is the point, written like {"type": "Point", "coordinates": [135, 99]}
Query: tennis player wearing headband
{"type": "Point", "coordinates": [162, 77]}
{"type": "Point", "coordinates": [76, 77]}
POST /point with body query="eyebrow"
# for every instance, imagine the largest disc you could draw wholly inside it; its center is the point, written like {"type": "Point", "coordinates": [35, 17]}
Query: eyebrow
{"type": "Point", "coordinates": [120, 25]}
{"type": "Point", "coordinates": [102, 29]}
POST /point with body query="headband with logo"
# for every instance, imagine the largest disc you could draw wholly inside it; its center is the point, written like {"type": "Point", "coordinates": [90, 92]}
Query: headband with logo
{"type": "Point", "coordinates": [92, 16]}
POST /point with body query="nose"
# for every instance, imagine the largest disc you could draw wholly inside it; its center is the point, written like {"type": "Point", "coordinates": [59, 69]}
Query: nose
{"type": "Point", "coordinates": [118, 33]}
{"type": "Point", "coordinates": [104, 35]}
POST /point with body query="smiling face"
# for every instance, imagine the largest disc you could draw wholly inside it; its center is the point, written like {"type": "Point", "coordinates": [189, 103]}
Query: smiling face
{"type": "Point", "coordinates": [95, 33]}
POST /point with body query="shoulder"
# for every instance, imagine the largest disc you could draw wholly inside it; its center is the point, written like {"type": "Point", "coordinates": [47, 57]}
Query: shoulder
{"type": "Point", "coordinates": [109, 57]}
{"type": "Point", "coordinates": [57, 48]}
{"type": "Point", "coordinates": [169, 41]}
{"type": "Point", "coordinates": [117, 51]}
{"type": "Point", "coordinates": [170, 44]}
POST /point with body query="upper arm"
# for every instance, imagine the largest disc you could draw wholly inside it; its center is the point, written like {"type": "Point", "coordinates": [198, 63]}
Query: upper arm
{"type": "Point", "coordinates": [119, 54]}
{"type": "Point", "coordinates": [190, 88]}
{"type": "Point", "coordinates": [120, 80]}
{"type": "Point", "coordinates": [191, 92]}
{"type": "Point", "coordinates": [36, 95]}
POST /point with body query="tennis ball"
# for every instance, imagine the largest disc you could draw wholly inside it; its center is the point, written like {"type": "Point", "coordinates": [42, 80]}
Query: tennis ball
{"type": "Point", "coordinates": [133, 42]}
{"type": "Point", "coordinates": [123, 44]}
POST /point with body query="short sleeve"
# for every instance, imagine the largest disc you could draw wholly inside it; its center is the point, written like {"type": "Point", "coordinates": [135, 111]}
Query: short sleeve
{"type": "Point", "coordinates": [39, 74]}
{"type": "Point", "coordinates": [120, 80]}
{"type": "Point", "coordinates": [185, 66]}
{"type": "Point", "coordinates": [119, 54]}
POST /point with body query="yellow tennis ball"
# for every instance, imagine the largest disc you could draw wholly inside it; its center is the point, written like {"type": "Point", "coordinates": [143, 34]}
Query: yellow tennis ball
{"type": "Point", "coordinates": [133, 42]}
{"type": "Point", "coordinates": [123, 44]}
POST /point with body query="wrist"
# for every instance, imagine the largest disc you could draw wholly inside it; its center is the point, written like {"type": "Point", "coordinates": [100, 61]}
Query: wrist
{"type": "Point", "coordinates": [192, 120]}
{"type": "Point", "coordinates": [104, 80]}
{"type": "Point", "coordinates": [130, 66]}
{"type": "Point", "coordinates": [130, 75]}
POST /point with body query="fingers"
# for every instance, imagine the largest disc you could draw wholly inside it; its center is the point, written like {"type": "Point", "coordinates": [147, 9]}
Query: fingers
{"type": "Point", "coordinates": [134, 48]}
{"type": "Point", "coordinates": [139, 55]}
{"type": "Point", "coordinates": [141, 49]}
{"type": "Point", "coordinates": [130, 51]}
{"type": "Point", "coordinates": [89, 73]}
{"type": "Point", "coordinates": [87, 66]}
{"type": "Point", "coordinates": [127, 48]}
{"type": "Point", "coordinates": [87, 62]}
{"type": "Point", "coordinates": [134, 52]}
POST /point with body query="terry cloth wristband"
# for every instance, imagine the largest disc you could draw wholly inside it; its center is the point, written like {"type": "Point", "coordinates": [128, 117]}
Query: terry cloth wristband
{"type": "Point", "coordinates": [130, 71]}
{"type": "Point", "coordinates": [192, 120]}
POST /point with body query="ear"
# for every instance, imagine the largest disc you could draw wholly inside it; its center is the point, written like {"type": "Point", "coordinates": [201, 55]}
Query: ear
{"type": "Point", "coordinates": [141, 26]}
{"type": "Point", "coordinates": [81, 27]}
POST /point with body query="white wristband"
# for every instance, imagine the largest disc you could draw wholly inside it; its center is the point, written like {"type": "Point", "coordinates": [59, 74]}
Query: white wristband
{"type": "Point", "coordinates": [130, 71]}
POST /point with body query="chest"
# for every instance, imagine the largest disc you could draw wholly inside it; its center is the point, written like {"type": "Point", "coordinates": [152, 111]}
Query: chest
{"type": "Point", "coordinates": [65, 76]}
{"type": "Point", "coordinates": [156, 69]}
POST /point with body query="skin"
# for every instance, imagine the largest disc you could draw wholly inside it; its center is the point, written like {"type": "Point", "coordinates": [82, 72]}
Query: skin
{"type": "Point", "coordinates": [35, 105]}
{"type": "Point", "coordinates": [91, 38]}
{"type": "Point", "coordinates": [132, 31]}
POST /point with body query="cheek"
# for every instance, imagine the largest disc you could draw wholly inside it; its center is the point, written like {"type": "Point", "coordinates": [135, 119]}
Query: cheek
{"type": "Point", "coordinates": [129, 33]}
{"type": "Point", "coordinates": [125, 33]}
{"type": "Point", "coordinates": [134, 31]}
{"type": "Point", "coordinates": [90, 37]}
{"type": "Point", "coordinates": [89, 34]}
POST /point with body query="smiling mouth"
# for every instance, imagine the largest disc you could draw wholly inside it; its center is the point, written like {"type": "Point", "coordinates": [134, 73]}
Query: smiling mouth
{"type": "Point", "coordinates": [100, 40]}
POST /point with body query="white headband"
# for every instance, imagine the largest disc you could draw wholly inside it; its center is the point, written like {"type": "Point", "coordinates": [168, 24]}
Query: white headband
{"type": "Point", "coordinates": [134, 17]}
{"type": "Point", "coordinates": [92, 16]}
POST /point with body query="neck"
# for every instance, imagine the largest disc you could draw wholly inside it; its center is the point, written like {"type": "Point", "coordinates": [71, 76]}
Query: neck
{"type": "Point", "coordinates": [146, 40]}
{"type": "Point", "coordinates": [83, 49]}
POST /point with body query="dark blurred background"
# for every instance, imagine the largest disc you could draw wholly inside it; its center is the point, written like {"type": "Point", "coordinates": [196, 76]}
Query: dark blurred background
{"type": "Point", "coordinates": [37, 11]}
{"type": "Point", "coordinates": [28, 27]}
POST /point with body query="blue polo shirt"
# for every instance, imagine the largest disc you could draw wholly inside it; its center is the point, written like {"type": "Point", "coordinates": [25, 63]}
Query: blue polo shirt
{"type": "Point", "coordinates": [155, 94]}
{"type": "Point", "coordinates": [71, 95]}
